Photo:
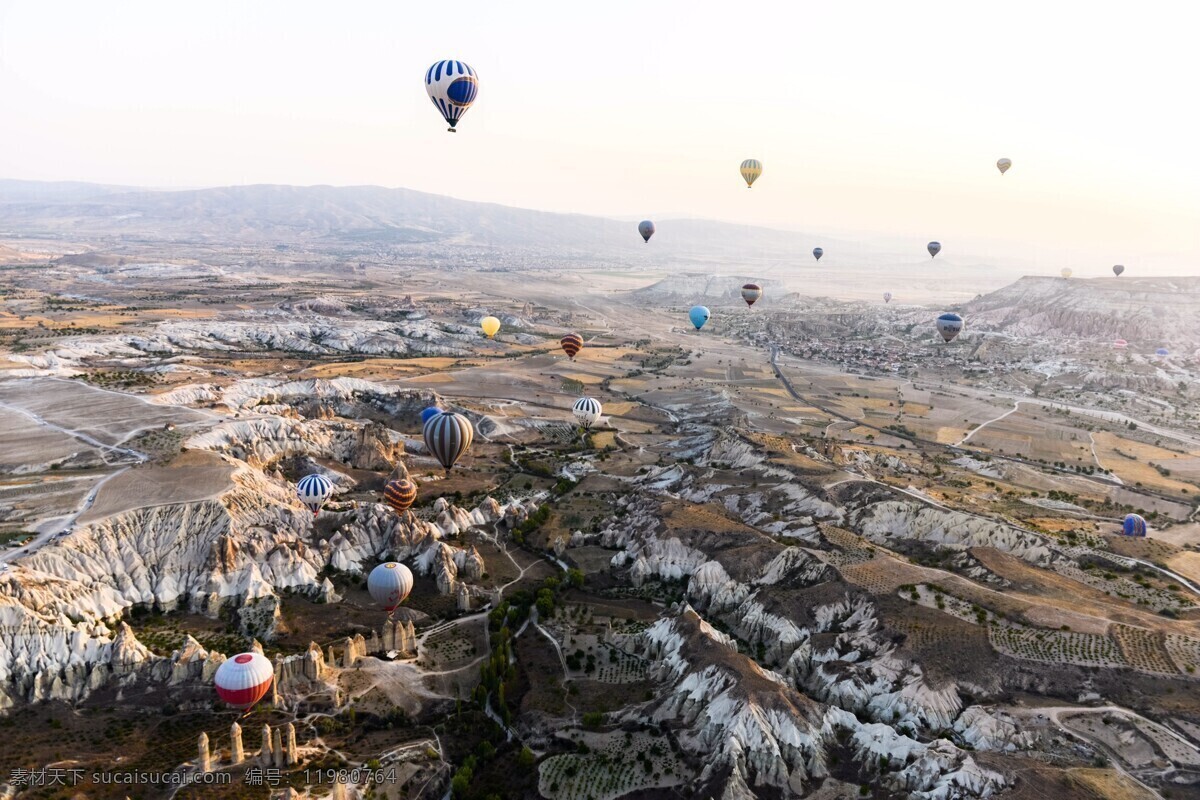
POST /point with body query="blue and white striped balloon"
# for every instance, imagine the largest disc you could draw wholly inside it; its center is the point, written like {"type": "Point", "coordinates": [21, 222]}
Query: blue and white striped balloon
{"type": "Point", "coordinates": [587, 410]}
{"type": "Point", "coordinates": [313, 490]}
{"type": "Point", "coordinates": [452, 86]}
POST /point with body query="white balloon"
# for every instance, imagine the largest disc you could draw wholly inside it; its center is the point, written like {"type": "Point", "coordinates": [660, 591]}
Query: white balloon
{"type": "Point", "coordinates": [389, 584]}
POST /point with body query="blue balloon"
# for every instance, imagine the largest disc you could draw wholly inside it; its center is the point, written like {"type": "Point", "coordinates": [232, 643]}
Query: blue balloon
{"type": "Point", "coordinates": [432, 411]}
{"type": "Point", "coordinates": [1162, 351]}
{"type": "Point", "coordinates": [1135, 525]}
{"type": "Point", "coordinates": [699, 315]}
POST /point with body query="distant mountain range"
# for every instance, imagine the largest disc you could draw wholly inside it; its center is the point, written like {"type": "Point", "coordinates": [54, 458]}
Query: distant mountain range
{"type": "Point", "coordinates": [333, 215]}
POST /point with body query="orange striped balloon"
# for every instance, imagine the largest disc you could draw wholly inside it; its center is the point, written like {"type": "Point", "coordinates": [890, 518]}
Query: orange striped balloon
{"type": "Point", "coordinates": [571, 344]}
{"type": "Point", "coordinates": [400, 494]}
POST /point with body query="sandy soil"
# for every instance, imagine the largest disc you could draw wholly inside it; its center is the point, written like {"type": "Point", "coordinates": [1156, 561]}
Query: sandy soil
{"type": "Point", "coordinates": [193, 476]}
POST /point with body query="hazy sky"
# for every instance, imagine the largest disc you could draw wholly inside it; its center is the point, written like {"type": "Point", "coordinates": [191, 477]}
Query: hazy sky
{"type": "Point", "coordinates": [869, 118]}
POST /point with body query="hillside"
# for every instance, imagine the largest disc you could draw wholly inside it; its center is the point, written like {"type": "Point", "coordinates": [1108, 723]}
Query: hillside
{"type": "Point", "coordinates": [1147, 311]}
{"type": "Point", "coordinates": [331, 215]}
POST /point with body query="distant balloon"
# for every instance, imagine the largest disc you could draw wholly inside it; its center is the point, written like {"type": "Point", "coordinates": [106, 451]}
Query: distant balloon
{"type": "Point", "coordinates": [1118, 269]}
{"type": "Point", "coordinates": [1162, 351]}
{"type": "Point", "coordinates": [571, 344]}
{"type": "Point", "coordinates": [452, 86]}
{"type": "Point", "coordinates": [1135, 525]}
{"type": "Point", "coordinates": [448, 435]}
{"type": "Point", "coordinates": [313, 490]}
{"type": "Point", "coordinates": [1067, 272]}
{"type": "Point", "coordinates": [934, 248]}
{"type": "Point", "coordinates": [1119, 343]}
{"type": "Point", "coordinates": [887, 297]}
{"type": "Point", "coordinates": [818, 252]}
{"type": "Point", "coordinates": [490, 326]}
{"type": "Point", "coordinates": [244, 679]}
{"type": "Point", "coordinates": [646, 229]}
{"type": "Point", "coordinates": [751, 169]}
{"type": "Point", "coordinates": [949, 325]}
{"type": "Point", "coordinates": [400, 494]}
{"type": "Point", "coordinates": [389, 584]}
{"type": "Point", "coordinates": [1003, 165]}
{"type": "Point", "coordinates": [699, 315]}
{"type": "Point", "coordinates": [587, 410]}
{"type": "Point", "coordinates": [751, 292]}
{"type": "Point", "coordinates": [432, 411]}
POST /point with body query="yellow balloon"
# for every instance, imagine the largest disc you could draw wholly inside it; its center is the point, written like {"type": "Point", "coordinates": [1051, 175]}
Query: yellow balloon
{"type": "Point", "coordinates": [490, 325]}
{"type": "Point", "coordinates": [1066, 272]}
{"type": "Point", "coordinates": [751, 169]}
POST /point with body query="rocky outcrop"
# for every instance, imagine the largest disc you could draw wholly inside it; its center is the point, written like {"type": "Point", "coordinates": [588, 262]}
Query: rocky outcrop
{"type": "Point", "coordinates": [59, 607]}
{"type": "Point", "coordinates": [751, 730]}
{"type": "Point", "coordinates": [889, 520]}
{"type": "Point", "coordinates": [263, 441]}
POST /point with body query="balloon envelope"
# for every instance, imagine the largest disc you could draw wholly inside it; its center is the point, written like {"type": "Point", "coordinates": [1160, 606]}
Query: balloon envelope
{"type": "Point", "coordinates": [490, 326]}
{"type": "Point", "coordinates": [587, 410]}
{"type": "Point", "coordinates": [400, 494]}
{"type": "Point", "coordinates": [818, 252]}
{"type": "Point", "coordinates": [949, 325]}
{"type": "Point", "coordinates": [1118, 269]}
{"type": "Point", "coordinates": [934, 248]}
{"type": "Point", "coordinates": [1162, 351]}
{"type": "Point", "coordinates": [1135, 525]}
{"type": "Point", "coordinates": [452, 86]}
{"type": "Point", "coordinates": [1067, 272]}
{"type": "Point", "coordinates": [1003, 165]}
{"type": "Point", "coordinates": [389, 584]}
{"type": "Point", "coordinates": [447, 437]}
{"type": "Point", "coordinates": [244, 679]}
{"type": "Point", "coordinates": [887, 297]}
{"type": "Point", "coordinates": [1120, 343]}
{"type": "Point", "coordinates": [646, 229]}
{"type": "Point", "coordinates": [751, 169]}
{"type": "Point", "coordinates": [699, 315]}
{"type": "Point", "coordinates": [571, 344]}
{"type": "Point", "coordinates": [313, 490]}
{"type": "Point", "coordinates": [751, 292]}
{"type": "Point", "coordinates": [432, 411]}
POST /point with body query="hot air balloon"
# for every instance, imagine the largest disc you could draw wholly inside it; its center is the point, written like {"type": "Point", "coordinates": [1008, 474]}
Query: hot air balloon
{"type": "Point", "coordinates": [818, 252]}
{"type": "Point", "coordinates": [448, 435]}
{"type": "Point", "coordinates": [313, 490]}
{"type": "Point", "coordinates": [571, 344]}
{"type": "Point", "coordinates": [751, 292]}
{"type": "Point", "coordinates": [432, 411]}
{"type": "Point", "coordinates": [452, 86]}
{"type": "Point", "coordinates": [934, 248]}
{"type": "Point", "coordinates": [1162, 351]}
{"type": "Point", "coordinates": [389, 584]}
{"type": "Point", "coordinates": [1135, 525]}
{"type": "Point", "coordinates": [1120, 343]}
{"type": "Point", "coordinates": [949, 325]}
{"type": "Point", "coordinates": [1118, 269]}
{"type": "Point", "coordinates": [587, 410]}
{"type": "Point", "coordinates": [400, 494]}
{"type": "Point", "coordinates": [646, 229]}
{"type": "Point", "coordinates": [1003, 165]}
{"type": "Point", "coordinates": [490, 326]}
{"type": "Point", "coordinates": [751, 169]}
{"type": "Point", "coordinates": [1066, 272]}
{"type": "Point", "coordinates": [243, 680]}
{"type": "Point", "coordinates": [699, 315]}
{"type": "Point", "coordinates": [887, 297]}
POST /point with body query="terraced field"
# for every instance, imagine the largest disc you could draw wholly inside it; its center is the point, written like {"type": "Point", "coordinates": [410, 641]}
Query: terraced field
{"type": "Point", "coordinates": [1143, 649]}
{"type": "Point", "coordinates": [614, 767]}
